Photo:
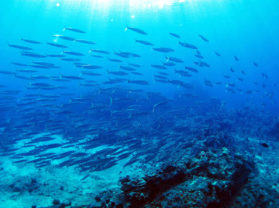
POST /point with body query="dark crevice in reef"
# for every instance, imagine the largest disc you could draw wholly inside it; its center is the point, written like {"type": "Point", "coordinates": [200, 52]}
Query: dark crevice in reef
{"type": "Point", "coordinates": [209, 180]}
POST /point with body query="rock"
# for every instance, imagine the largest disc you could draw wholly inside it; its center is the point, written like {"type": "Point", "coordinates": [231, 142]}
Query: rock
{"type": "Point", "coordinates": [55, 202]}
{"type": "Point", "coordinates": [211, 179]}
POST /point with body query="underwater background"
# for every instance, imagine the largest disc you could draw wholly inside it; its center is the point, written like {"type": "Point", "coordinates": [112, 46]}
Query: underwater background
{"type": "Point", "coordinates": [126, 103]}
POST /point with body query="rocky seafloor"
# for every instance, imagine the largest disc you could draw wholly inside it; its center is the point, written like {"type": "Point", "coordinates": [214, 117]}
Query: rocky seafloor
{"type": "Point", "coordinates": [210, 171]}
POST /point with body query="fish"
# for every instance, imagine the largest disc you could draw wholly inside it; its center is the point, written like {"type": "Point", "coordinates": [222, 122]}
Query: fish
{"type": "Point", "coordinates": [74, 30]}
{"type": "Point", "coordinates": [158, 66]}
{"type": "Point", "coordinates": [89, 66]}
{"type": "Point", "coordinates": [201, 64]}
{"type": "Point", "coordinates": [126, 54]}
{"type": "Point", "coordinates": [134, 65]}
{"type": "Point", "coordinates": [169, 64]}
{"type": "Point", "coordinates": [70, 59]}
{"type": "Point", "coordinates": [43, 63]}
{"type": "Point", "coordinates": [19, 64]}
{"type": "Point", "coordinates": [64, 37]}
{"type": "Point", "coordinates": [90, 73]}
{"type": "Point", "coordinates": [163, 50]}
{"type": "Point", "coordinates": [137, 30]}
{"type": "Point", "coordinates": [119, 73]}
{"type": "Point", "coordinates": [174, 35]}
{"type": "Point", "coordinates": [174, 59]}
{"type": "Point", "coordinates": [139, 82]}
{"type": "Point", "coordinates": [217, 54]}
{"type": "Point", "coordinates": [73, 53]}
{"type": "Point", "coordinates": [97, 56]}
{"type": "Point", "coordinates": [264, 145]}
{"type": "Point", "coordinates": [7, 72]}
{"type": "Point", "coordinates": [55, 55]}
{"type": "Point", "coordinates": [85, 41]}
{"type": "Point", "coordinates": [30, 41]}
{"type": "Point", "coordinates": [57, 45]}
{"type": "Point", "coordinates": [160, 77]}
{"type": "Point", "coordinates": [236, 58]}
{"type": "Point", "coordinates": [203, 38]}
{"type": "Point", "coordinates": [71, 77]}
{"type": "Point", "coordinates": [155, 106]}
{"type": "Point", "coordinates": [183, 73]}
{"type": "Point", "coordinates": [191, 69]}
{"type": "Point", "coordinates": [115, 60]}
{"type": "Point", "coordinates": [34, 55]}
{"type": "Point", "coordinates": [128, 68]}
{"type": "Point", "coordinates": [264, 75]}
{"type": "Point", "coordinates": [26, 70]}
{"type": "Point", "coordinates": [99, 51]}
{"type": "Point", "coordinates": [208, 83]}
{"type": "Point", "coordinates": [136, 73]}
{"type": "Point", "coordinates": [144, 42]}
{"type": "Point", "coordinates": [20, 47]}
{"type": "Point", "coordinates": [188, 45]}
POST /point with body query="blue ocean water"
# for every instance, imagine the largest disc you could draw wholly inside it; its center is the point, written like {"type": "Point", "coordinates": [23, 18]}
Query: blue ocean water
{"type": "Point", "coordinates": [91, 84]}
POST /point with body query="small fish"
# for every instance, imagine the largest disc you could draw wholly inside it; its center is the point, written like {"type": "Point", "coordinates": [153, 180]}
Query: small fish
{"type": "Point", "coordinates": [188, 45]}
{"type": "Point", "coordinates": [175, 35]}
{"type": "Point", "coordinates": [97, 56]}
{"type": "Point", "coordinates": [136, 73]}
{"type": "Point", "coordinates": [135, 65]}
{"type": "Point", "coordinates": [118, 73]}
{"type": "Point", "coordinates": [236, 58]}
{"type": "Point", "coordinates": [73, 53]}
{"type": "Point", "coordinates": [169, 64]}
{"type": "Point", "coordinates": [85, 42]}
{"type": "Point", "coordinates": [90, 73]}
{"type": "Point", "coordinates": [20, 47]}
{"type": "Point", "coordinates": [64, 37]}
{"type": "Point", "coordinates": [43, 63]}
{"type": "Point", "coordinates": [144, 42]}
{"type": "Point", "coordinates": [34, 55]}
{"type": "Point", "coordinates": [208, 83]}
{"type": "Point", "coordinates": [72, 77]}
{"type": "Point", "coordinates": [203, 38]}
{"type": "Point", "coordinates": [26, 70]}
{"type": "Point", "coordinates": [139, 31]}
{"type": "Point", "coordinates": [56, 55]}
{"type": "Point", "coordinates": [6, 72]}
{"type": "Point", "coordinates": [217, 54]}
{"type": "Point", "coordinates": [183, 73]}
{"type": "Point", "coordinates": [89, 66]}
{"type": "Point", "coordinates": [191, 69]}
{"type": "Point", "coordinates": [174, 59]}
{"type": "Point", "coordinates": [19, 64]}
{"type": "Point", "coordinates": [139, 82]}
{"type": "Point", "coordinates": [74, 30]}
{"type": "Point", "coordinates": [115, 60]}
{"type": "Point", "coordinates": [163, 50]}
{"type": "Point", "coordinates": [57, 45]}
{"type": "Point", "coordinates": [265, 145]}
{"type": "Point", "coordinates": [99, 51]}
{"type": "Point", "coordinates": [30, 41]}
{"type": "Point", "coordinates": [70, 59]}
{"type": "Point", "coordinates": [158, 66]}
{"type": "Point", "coordinates": [128, 68]}
{"type": "Point", "coordinates": [157, 105]}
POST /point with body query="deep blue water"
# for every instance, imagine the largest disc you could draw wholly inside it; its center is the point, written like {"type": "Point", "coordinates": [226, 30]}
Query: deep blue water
{"type": "Point", "coordinates": [247, 30]}
{"type": "Point", "coordinates": [229, 48]}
